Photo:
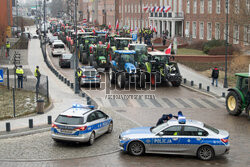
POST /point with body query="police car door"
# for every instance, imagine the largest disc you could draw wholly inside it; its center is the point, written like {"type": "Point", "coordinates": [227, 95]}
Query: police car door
{"type": "Point", "coordinates": [167, 140]}
{"type": "Point", "coordinates": [191, 138]}
{"type": "Point", "coordinates": [103, 122]}
{"type": "Point", "coordinates": [94, 123]}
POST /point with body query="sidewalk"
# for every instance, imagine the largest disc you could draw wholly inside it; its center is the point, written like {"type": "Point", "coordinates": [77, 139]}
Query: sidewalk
{"type": "Point", "coordinates": [62, 97]}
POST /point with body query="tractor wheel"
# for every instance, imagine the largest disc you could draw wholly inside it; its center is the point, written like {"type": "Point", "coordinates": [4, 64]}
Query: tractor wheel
{"type": "Point", "coordinates": [248, 112]}
{"type": "Point", "coordinates": [84, 58]}
{"type": "Point", "coordinates": [111, 75]}
{"type": "Point", "coordinates": [121, 80]}
{"type": "Point", "coordinates": [143, 80]}
{"type": "Point", "coordinates": [176, 83]}
{"type": "Point", "coordinates": [233, 103]}
{"type": "Point", "coordinates": [91, 59]}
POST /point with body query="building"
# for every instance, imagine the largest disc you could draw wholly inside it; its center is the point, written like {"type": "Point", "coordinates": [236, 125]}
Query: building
{"type": "Point", "coordinates": [5, 19]}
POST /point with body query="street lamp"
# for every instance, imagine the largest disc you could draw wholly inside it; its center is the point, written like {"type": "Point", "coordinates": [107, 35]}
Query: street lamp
{"type": "Point", "coordinates": [225, 79]}
{"type": "Point", "coordinates": [77, 86]}
{"type": "Point", "coordinates": [141, 21]}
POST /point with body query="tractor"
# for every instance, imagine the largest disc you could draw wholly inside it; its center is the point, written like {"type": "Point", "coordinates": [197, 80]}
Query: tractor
{"type": "Point", "coordinates": [141, 55]}
{"type": "Point", "coordinates": [238, 98]}
{"type": "Point", "coordinates": [162, 70]}
{"type": "Point", "coordinates": [86, 48]}
{"type": "Point", "coordinates": [100, 57]}
{"type": "Point", "coordinates": [123, 69]}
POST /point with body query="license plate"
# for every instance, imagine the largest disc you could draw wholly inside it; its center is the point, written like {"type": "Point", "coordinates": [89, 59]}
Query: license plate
{"type": "Point", "coordinates": [66, 131]}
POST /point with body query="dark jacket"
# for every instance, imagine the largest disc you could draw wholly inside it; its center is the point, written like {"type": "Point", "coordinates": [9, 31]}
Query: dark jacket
{"type": "Point", "coordinates": [215, 73]}
{"type": "Point", "coordinates": [163, 119]}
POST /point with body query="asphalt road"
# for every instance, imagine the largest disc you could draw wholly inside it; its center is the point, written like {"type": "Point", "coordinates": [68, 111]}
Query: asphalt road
{"type": "Point", "coordinates": [39, 149]}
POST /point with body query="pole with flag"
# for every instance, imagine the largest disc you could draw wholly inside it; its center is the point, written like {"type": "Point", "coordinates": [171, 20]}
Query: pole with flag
{"type": "Point", "coordinates": [167, 8]}
{"type": "Point", "coordinates": [117, 25]}
{"type": "Point", "coordinates": [168, 50]}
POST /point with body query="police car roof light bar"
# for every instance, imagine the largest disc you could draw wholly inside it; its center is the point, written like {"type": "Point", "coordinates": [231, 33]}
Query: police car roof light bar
{"type": "Point", "coordinates": [83, 106]}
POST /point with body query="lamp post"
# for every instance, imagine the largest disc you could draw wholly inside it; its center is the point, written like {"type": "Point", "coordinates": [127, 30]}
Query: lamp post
{"type": "Point", "coordinates": [225, 79]}
{"type": "Point", "coordinates": [17, 15]}
{"type": "Point", "coordinates": [141, 21]}
{"type": "Point", "coordinates": [77, 86]}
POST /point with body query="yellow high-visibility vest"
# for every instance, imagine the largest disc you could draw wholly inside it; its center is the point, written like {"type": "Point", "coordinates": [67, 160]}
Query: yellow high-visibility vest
{"type": "Point", "coordinates": [79, 73]}
{"type": "Point", "coordinates": [7, 45]}
{"type": "Point", "coordinates": [37, 70]}
{"type": "Point", "coordinates": [19, 71]}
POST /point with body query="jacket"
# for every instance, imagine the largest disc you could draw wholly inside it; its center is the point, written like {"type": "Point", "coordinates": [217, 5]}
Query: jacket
{"type": "Point", "coordinates": [215, 73]}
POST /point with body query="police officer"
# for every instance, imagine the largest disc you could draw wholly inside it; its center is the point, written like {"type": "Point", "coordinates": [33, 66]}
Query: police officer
{"type": "Point", "coordinates": [8, 47]}
{"type": "Point", "coordinates": [79, 75]}
{"type": "Point", "coordinates": [37, 75]}
{"type": "Point", "coordinates": [19, 73]}
{"type": "Point", "coordinates": [164, 119]}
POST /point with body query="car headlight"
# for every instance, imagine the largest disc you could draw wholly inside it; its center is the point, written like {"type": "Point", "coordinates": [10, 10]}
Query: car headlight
{"type": "Point", "coordinates": [124, 138]}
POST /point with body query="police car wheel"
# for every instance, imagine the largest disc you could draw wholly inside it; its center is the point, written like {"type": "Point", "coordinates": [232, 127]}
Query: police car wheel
{"type": "Point", "coordinates": [110, 128]}
{"type": "Point", "coordinates": [136, 148]}
{"type": "Point", "coordinates": [205, 153]}
{"type": "Point", "coordinates": [91, 139]}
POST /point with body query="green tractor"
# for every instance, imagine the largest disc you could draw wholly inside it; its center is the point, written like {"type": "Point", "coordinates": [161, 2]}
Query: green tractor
{"type": "Point", "coordinates": [238, 97]}
{"type": "Point", "coordinates": [100, 57]}
{"type": "Point", "coordinates": [86, 45]}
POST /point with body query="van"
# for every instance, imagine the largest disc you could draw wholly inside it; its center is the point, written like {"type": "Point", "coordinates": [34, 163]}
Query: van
{"type": "Point", "coordinates": [58, 48]}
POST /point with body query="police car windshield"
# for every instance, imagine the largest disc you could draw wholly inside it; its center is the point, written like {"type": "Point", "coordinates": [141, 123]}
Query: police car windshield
{"type": "Point", "coordinates": [211, 128]}
{"type": "Point", "coordinates": [158, 128]}
{"type": "Point", "coordinates": [69, 120]}
{"type": "Point", "coordinates": [90, 73]}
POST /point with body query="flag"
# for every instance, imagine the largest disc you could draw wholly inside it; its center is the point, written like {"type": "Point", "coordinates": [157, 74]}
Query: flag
{"type": "Point", "coordinates": [167, 9]}
{"type": "Point", "coordinates": [155, 29]}
{"type": "Point", "coordinates": [109, 25]}
{"type": "Point", "coordinates": [82, 29]}
{"type": "Point", "coordinates": [145, 8]}
{"type": "Point", "coordinates": [108, 46]}
{"type": "Point", "coordinates": [93, 31]}
{"type": "Point", "coordinates": [152, 9]}
{"type": "Point", "coordinates": [117, 25]}
{"type": "Point", "coordinates": [161, 9]}
{"type": "Point", "coordinates": [106, 36]}
{"type": "Point", "coordinates": [151, 28]}
{"type": "Point", "coordinates": [168, 50]}
{"type": "Point", "coordinates": [157, 9]}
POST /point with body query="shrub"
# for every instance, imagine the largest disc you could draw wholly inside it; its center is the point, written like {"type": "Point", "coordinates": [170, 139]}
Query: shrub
{"type": "Point", "coordinates": [196, 45]}
{"type": "Point", "coordinates": [211, 44]}
{"type": "Point", "coordinates": [221, 50]}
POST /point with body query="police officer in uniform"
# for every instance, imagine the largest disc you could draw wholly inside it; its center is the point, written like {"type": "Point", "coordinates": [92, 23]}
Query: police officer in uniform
{"type": "Point", "coordinates": [19, 73]}
{"type": "Point", "coordinates": [8, 47]}
{"type": "Point", "coordinates": [79, 75]}
{"type": "Point", "coordinates": [37, 75]}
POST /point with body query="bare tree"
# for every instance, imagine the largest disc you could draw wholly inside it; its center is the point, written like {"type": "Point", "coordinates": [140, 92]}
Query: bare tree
{"type": "Point", "coordinates": [57, 6]}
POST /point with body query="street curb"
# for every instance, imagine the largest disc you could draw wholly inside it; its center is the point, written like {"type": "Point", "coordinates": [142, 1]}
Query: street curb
{"type": "Point", "coordinates": [204, 93]}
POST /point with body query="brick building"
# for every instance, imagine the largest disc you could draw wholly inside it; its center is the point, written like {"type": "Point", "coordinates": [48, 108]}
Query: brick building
{"type": "Point", "coordinates": [5, 18]}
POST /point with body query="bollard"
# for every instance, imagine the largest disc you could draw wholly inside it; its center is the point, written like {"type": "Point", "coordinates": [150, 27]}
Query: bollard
{"type": "Point", "coordinates": [208, 88]}
{"type": "Point", "coordinates": [200, 85]}
{"type": "Point", "coordinates": [30, 123]}
{"type": "Point", "coordinates": [72, 85]}
{"type": "Point", "coordinates": [7, 127]}
{"type": "Point", "coordinates": [192, 83]}
{"type": "Point", "coordinates": [88, 98]}
{"type": "Point", "coordinates": [49, 119]}
{"type": "Point", "coordinates": [65, 80]}
{"type": "Point", "coordinates": [223, 94]}
{"type": "Point", "coordinates": [68, 83]}
{"type": "Point", "coordinates": [88, 102]}
{"type": "Point", "coordinates": [83, 94]}
{"type": "Point", "coordinates": [59, 76]}
{"type": "Point", "coordinates": [62, 78]}
{"type": "Point", "coordinates": [185, 80]}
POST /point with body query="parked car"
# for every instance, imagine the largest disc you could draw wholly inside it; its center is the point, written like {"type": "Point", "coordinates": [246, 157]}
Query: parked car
{"type": "Point", "coordinates": [90, 76]}
{"type": "Point", "coordinates": [81, 124]}
{"type": "Point", "coordinates": [52, 39]}
{"type": "Point", "coordinates": [64, 60]}
{"type": "Point", "coordinates": [58, 48]}
{"type": "Point", "coordinates": [183, 137]}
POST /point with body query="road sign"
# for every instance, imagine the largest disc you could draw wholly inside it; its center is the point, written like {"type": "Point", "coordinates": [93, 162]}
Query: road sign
{"type": "Point", "coordinates": [1, 75]}
{"type": "Point", "coordinates": [134, 37]}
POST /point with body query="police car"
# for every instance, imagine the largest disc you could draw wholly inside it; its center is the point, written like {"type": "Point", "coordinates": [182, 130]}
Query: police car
{"type": "Point", "coordinates": [81, 124]}
{"type": "Point", "coordinates": [183, 137]}
{"type": "Point", "coordinates": [90, 76]}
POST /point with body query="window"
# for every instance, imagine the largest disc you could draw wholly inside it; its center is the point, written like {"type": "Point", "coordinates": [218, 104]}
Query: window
{"type": "Point", "coordinates": [172, 131]}
{"type": "Point", "coordinates": [187, 30]}
{"type": "Point", "coordinates": [92, 117]}
{"type": "Point", "coordinates": [194, 29]}
{"type": "Point", "coordinates": [217, 31]}
{"type": "Point", "coordinates": [228, 6]}
{"type": "Point", "coordinates": [100, 115]}
{"type": "Point", "coordinates": [69, 120]}
{"type": "Point", "coordinates": [195, 7]}
{"type": "Point", "coordinates": [248, 5]}
{"type": "Point", "coordinates": [236, 6]}
{"type": "Point", "coordinates": [125, 8]}
{"type": "Point", "coordinates": [209, 31]}
{"type": "Point", "coordinates": [193, 131]}
{"type": "Point", "coordinates": [128, 8]}
{"type": "Point", "coordinates": [225, 33]}
{"type": "Point", "coordinates": [132, 8]}
{"type": "Point", "coordinates": [180, 6]}
{"type": "Point", "coordinates": [246, 34]}
{"type": "Point", "coordinates": [202, 6]}
{"type": "Point", "coordinates": [236, 34]}
{"type": "Point", "coordinates": [211, 128]}
{"type": "Point", "coordinates": [139, 8]}
{"type": "Point", "coordinates": [188, 6]}
{"type": "Point", "coordinates": [135, 8]}
{"type": "Point", "coordinates": [209, 6]}
{"type": "Point", "coordinates": [201, 30]}
{"type": "Point", "coordinates": [218, 6]}
{"type": "Point", "coordinates": [120, 9]}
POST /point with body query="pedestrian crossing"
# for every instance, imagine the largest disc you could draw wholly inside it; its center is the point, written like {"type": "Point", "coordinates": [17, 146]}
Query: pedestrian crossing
{"type": "Point", "coordinates": [204, 103]}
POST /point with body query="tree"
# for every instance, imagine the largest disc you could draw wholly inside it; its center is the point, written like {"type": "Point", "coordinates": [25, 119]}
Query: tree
{"type": "Point", "coordinates": [57, 6]}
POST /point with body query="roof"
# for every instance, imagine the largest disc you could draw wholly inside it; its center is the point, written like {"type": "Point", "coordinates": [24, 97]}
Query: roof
{"type": "Point", "coordinates": [188, 122]}
{"type": "Point", "coordinates": [157, 53]}
{"type": "Point", "coordinates": [77, 110]}
{"type": "Point", "coordinates": [243, 74]}
{"type": "Point", "coordinates": [125, 51]}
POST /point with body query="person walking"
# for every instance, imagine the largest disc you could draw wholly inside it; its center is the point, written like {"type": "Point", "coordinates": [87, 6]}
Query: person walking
{"type": "Point", "coordinates": [19, 73]}
{"type": "Point", "coordinates": [37, 75]}
{"type": "Point", "coordinates": [7, 48]}
{"type": "Point", "coordinates": [215, 76]}
{"type": "Point", "coordinates": [79, 75]}
{"type": "Point", "coordinates": [164, 40]}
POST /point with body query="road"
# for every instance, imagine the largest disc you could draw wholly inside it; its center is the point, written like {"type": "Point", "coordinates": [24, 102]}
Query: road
{"type": "Point", "coordinates": [40, 150]}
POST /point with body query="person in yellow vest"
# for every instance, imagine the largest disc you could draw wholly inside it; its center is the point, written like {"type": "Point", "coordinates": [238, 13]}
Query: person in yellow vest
{"type": "Point", "coordinates": [79, 75]}
{"type": "Point", "coordinates": [19, 73]}
{"type": "Point", "coordinates": [8, 47]}
{"type": "Point", "coordinates": [37, 75]}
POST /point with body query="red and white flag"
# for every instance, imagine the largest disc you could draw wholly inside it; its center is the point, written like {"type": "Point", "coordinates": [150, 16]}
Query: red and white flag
{"type": "Point", "coordinates": [167, 9]}
{"type": "Point", "coordinates": [82, 29]}
{"type": "Point", "coordinates": [117, 25]}
{"type": "Point", "coordinates": [154, 29]}
{"type": "Point", "coordinates": [150, 27]}
{"type": "Point", "coordinates": [109, 25]}
{"type": "Point", "coordinates": [161, 9]}
{"type": "Point", "coordinates": [168, 50]}
{"type": "Point", "coordinates": [145, 8]}
{"type": "Point", "coordinates": [152, 9]}
{"type": "Point", "coordinates": [93, 31]}
{"type": "Point", "coordinates": [157, 8]}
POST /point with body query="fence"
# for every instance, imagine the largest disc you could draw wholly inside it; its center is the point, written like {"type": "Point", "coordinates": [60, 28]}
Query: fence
{"type": "Point", "coordinates": [15, 101]}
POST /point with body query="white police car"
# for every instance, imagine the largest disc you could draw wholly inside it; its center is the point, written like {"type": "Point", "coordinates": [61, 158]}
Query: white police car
{"type": "Point", "coordinates": [184, 137]}
{"type": "Point", "coordinates": [90, 76]}
{"type": "Point", "coordinates": [81, 124]}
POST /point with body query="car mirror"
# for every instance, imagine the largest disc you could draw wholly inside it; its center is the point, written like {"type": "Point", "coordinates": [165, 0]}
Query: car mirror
{"type": "Point", "coordinates": [160, 134]}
